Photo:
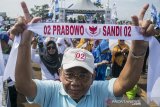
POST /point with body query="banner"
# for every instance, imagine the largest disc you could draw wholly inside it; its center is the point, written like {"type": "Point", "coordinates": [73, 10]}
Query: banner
{"type": "Point", "coordinates": [94, 31]}
{"type": "Point", "coordinates": [98, 31]}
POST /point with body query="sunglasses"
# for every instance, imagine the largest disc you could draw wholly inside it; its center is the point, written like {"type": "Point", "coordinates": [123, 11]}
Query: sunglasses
{"type": "Point", "coordinates": [49, 47]}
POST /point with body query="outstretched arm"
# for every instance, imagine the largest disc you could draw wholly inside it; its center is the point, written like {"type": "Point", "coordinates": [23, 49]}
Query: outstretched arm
{"type": "Point", "coordinates": [133, 67]}
{"type": "Point", "coordinates": [23, 70]}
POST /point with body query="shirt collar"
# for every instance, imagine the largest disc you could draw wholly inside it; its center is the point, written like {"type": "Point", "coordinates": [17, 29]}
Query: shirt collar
{"type": "Point", "coordinates": [63, 92]}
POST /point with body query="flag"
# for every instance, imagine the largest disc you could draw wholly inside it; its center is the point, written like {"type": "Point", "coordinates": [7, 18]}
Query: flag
{"type": "Point", "coordinates": [154, 13]}
{"type": "Point", "coordinates": [158, 21]}
{"type": "Point", "coordinates": [51, 6]}
{"type": "Point", "coordinates": [56, 6]}
{"type": "Point", "coordinates": [1, 20]}
{"type": "Point", "coordinates": [114, 13]}
{"type": "Point", "coordinates": [98, 1]}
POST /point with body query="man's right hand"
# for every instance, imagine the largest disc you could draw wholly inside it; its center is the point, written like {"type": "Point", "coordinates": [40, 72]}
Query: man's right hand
{"type": "Point", "coordinates": [124, 50]}
{"type": "Point", "coordinates": [21, 26]}
{"type": "Point", "coordinates": [23, 70]}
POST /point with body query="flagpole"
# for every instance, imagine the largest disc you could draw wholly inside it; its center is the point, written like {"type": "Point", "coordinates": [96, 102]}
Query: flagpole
{"type": "Point", "coordinates": [108, 4]}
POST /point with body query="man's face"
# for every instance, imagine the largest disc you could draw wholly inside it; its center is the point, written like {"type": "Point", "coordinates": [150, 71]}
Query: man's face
{"type": "Point", "coordinates": [121, 42]}
{"type": "Point", "coordinates": [76, 81]}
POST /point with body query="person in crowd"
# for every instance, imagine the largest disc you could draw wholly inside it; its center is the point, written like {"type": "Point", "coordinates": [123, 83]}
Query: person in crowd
{"type": "Point", "coordinates": [96, 43]}
{"type": "Point", "coordinates": [74, 20]}
{"type": "Point", "coordinates": [62, 44]}
{"type": "Point", "coordinates": [119, 57]}
{"type": "Point", "coordinates": [70, 20]}
{"type": "Point", "coordinates": [9, 90]}
{"type": "Point", "coordinates": [85, 44]}
{"type": "Point", "coordinates": [4, 37]}
{"type": "Point", "coordinates": [48, 58]}
{"type": "Point", "coordinates": [145, 62]}
{"type": "Point", "coordinates": [75, 42]}
{"type": "Point", "coordinates": [77, 86]}
{"type": "Point", "coordinates": [95, 20]}
{"type": "Point", "coordinates": [102, 58]}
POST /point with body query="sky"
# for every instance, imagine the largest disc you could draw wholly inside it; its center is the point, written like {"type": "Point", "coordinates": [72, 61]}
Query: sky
{"type": "Point", "coordinates": [125, 8]}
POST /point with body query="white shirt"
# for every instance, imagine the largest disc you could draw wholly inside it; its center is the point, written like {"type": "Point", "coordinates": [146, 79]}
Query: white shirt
{"type": "Point", "coordinates": [63, 46]}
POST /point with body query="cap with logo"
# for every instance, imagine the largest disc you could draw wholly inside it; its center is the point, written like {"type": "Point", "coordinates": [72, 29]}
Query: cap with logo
{"type": "Point", "coordinates": [76, 57]}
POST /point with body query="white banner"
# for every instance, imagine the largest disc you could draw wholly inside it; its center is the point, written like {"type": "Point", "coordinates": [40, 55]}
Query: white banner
{"type": "Point", "coordinates": [95, 31]}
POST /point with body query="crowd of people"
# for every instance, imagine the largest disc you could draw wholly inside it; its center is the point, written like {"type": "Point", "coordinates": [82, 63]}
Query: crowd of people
{"type": "Point", "coordinates": [102, 74]}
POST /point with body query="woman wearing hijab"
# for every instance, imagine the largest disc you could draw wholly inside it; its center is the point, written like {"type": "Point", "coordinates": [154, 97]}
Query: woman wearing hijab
{"type": "Point", "coordinates": [86, 44]}
{"type": "Point", "coordinates": [102, 57]}
{"type": "Point", "coordinates": [48, 59]}
{"type": "Point", "coordinates": [119, 57]}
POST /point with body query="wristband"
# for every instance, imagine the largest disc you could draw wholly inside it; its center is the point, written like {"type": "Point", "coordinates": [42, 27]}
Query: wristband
{"type": "Point", "coordinates": [137, 57]}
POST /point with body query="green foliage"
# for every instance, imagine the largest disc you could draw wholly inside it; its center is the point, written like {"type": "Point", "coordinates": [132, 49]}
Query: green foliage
{"type": "Point", "coordinates": [40, 11]}
{"type": "Point", "coordinates": [98, 4]}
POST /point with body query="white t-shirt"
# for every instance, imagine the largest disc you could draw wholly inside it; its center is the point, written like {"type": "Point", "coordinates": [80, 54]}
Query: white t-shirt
{"type": "Point", "coordinates": [63, 46]}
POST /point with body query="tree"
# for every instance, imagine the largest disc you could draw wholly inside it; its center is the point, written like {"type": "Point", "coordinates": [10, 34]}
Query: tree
{"type": "Point", "coordinates": [98, 4]}
{"type": "Point", "coordinates": [40, 11]}
{"type": "Point", "coordinates": [98, 15]}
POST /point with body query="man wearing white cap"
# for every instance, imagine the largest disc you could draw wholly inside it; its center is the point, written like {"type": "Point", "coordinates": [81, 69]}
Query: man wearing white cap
{"type": "Point", "coordinates": [77, 88]}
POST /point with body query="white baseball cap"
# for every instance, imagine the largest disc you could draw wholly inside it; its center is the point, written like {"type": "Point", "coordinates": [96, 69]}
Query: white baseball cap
{"type": "Point", "coordinates": [76, 57]}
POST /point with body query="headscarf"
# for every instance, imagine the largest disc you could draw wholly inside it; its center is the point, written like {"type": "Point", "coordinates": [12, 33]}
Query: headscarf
{"type": "Point", "coordinates": [100, 53]}
{"type": "Point", "coordinates": [86, 44]}
{"type": "Point", "coordinates": [119, 58]}
{"type": "Point", "coordinates": [4, 36]}
{"type": "Point", "coordinates": [103, 46]}
{"type": "Point", "coordinates": [51, 62]}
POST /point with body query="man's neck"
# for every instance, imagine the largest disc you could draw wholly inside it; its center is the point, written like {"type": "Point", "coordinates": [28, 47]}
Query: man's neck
{"type": "Point", "coordinates": [77, 100]}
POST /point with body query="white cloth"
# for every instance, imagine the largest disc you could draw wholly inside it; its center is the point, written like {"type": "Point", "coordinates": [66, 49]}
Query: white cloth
{"type": "Point", "coordinates": [60, 45]}
{"type": "Point", "coordinates": [1, 89]}
{"type": "Point", "coordinates": [1, 61]}
{"type": "Point", "coordinates": [69, 41]}
{"type": "Point", "coordinates": [1, 74]}
{"type": "Point", "coordinates": [11, 64]}
{"type": "Point", "coordinates": [46, 75]}
{"type": "Point", "coordinates": [63, 46]}
{"type": "Point", "coordinates": [153, 80]}
{"type": "Point", "coordinates": [5, 58]}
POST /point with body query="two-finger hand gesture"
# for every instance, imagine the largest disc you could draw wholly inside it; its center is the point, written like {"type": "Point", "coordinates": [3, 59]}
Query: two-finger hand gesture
{"type": "Point", "coordinates": [21, 26]}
